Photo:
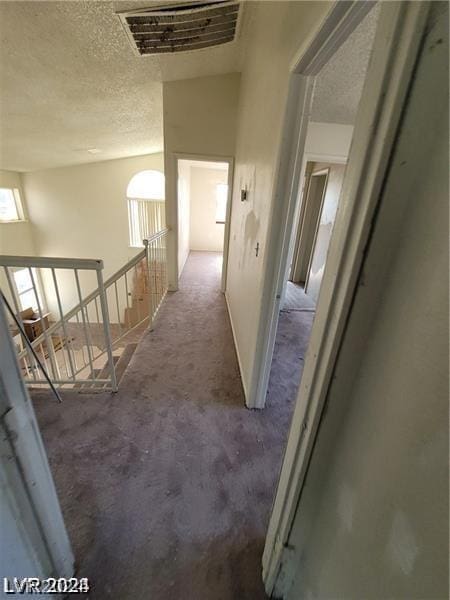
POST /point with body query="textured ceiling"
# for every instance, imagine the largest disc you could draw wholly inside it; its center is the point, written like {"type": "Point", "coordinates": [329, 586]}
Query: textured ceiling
{"type": "Point", "coordinates": [339, 84]}
{"type": "Point", "coordinates": [70, 82]}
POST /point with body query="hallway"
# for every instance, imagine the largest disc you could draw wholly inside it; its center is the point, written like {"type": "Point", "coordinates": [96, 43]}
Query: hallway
{"type": "Point", "coordinates": [166, 486]}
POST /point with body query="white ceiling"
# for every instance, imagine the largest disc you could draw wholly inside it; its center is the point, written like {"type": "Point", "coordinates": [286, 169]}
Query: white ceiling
{"type": "Point", "coordinates": [70, 82]}
{"type": "Point", "coordinates": [339, 84]}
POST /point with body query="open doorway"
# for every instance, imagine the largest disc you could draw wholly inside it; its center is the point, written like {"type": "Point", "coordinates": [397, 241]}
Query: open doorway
{"type": "Point", "coordinates": [335, 100]}
{"type": "Point", "coordinates": [312, 233]}
{"type": "Point", "coordinates": [203, 192]}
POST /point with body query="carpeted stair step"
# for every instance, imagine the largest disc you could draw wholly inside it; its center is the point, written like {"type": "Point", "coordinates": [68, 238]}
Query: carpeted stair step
{"type": "Point", "coordinates": [124, 360]}
{"type": "Point", "coordinates": [83, 386]}
{"type": "Point", "coordinates": [104, 372]}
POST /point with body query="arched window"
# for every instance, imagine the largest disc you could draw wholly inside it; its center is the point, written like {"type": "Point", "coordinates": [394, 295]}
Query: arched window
{"type": "Point", "coordinates": [147, 185]}
{"type": "Point", "coordinates": [146, 214]}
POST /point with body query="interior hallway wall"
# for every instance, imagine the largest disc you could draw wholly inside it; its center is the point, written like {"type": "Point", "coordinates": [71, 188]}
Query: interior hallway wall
{"type": "Point", "coordinates": [184, 210]}
{"type": "Point", "coordinates": [205, 233]}
{"type": "Point", "coordinates": [279, 30]}
{"type": "Point", "coordinates": [200, 118]}
{"type": "Point", "coordinates": [81, 212]}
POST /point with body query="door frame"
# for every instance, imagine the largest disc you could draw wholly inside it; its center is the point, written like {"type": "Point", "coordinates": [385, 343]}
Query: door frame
{"type": "Point", "coordinates": [176, 156]}
{"type": "Point", "coordinates": [321, 173]}
{"type": "Point", "coordinates": [340, 22]}
{"type": "Point", "coordinates": [300, 205]}
{"type": "Point", "coordinates": [398, 39]}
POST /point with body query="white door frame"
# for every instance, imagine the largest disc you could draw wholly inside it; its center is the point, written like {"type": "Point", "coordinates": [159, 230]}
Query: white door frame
{"type": "Point", "coordinates": [342, 19]}
{"type": "Point", "coordinates": [338, 159]}
{"type": "Point", "coordinates": [397, 42]}
{"type": "Point", "coordinates": [226, 235]}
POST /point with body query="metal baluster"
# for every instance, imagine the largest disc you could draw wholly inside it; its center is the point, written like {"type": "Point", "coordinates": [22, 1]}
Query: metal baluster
{"type": "Point", "coordinates": [165, 263]}
{"type": "Point", "coordinates": [86, 308]}
{"type": "Point", "coordinates": [128, 301]}
{"type": "Point", "coordinates": [155, 274]}
{"type": "Point", "coordinates": [147, 284]}
{"type": "Point", "coordinates": [106, 330]}
{"type": "Point", "coordinates": [77, 279]}
{"type": "Point", "coordinates": [33, 362]}
{"type": "Point", "coordinates": [118, 309]}
{"type": "Point", "coordinates": [61, 314]}
{"type": "Point", "coordinates": [136, 278]}
{"type": "Point", "coordinates": [155, 281]}
{"type": "Point", "coordinates": [159, 272]}
{"type": "Point", "coordinates": [43, 358]}
{"type": "Point", "coordinates": [63, 355]}
{"type": "Point", "coordinates": [48, 342]}
{"type": "Point", "coordinates": [82, 347]}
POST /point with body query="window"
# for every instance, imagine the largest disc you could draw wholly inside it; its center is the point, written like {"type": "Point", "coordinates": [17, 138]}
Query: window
{"type": "Point", "coordinates": [10, 205]}
{"type": "Point", "coordinates": [25, 289]}
{"type": "Point", "coordinates": [221, 202]}
{"type": "Point", "coordinates": [146, 215]}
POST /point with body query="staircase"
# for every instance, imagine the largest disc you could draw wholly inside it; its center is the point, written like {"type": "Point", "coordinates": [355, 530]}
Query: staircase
{"type": "Point", "coordinates": [120, 361]}
{"type": "Point", "coordinates": [89, 346]}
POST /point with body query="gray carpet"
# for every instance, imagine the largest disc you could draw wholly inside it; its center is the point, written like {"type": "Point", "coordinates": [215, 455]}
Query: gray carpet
{"type": "Point", "coordinates": [296, 299]}
{"type": "Point", "coordinates": [166, 487]}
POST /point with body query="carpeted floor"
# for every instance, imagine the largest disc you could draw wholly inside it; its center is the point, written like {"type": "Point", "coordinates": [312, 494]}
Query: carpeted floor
{"type": "Point", "coordinates": [166, 487]}
{"type": "Point", "coordinates": [296, 299]}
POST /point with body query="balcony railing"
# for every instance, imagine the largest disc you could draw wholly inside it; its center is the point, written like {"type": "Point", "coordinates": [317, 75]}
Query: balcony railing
{"type": "Point", "coordinates": [79, 346]}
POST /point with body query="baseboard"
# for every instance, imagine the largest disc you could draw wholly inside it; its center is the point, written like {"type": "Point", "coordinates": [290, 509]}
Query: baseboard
{"type": "Point", "coordinates": [180, 270]}
{"type": "Point", "coordinates": [236, 347]}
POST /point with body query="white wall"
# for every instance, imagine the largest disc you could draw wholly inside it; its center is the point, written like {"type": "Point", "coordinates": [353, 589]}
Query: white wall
{"type": "Point", "coordinates": [81, 211]}
{"type": "Point", "coordinates": [330, 140]}
{"type": "Point", "coordinates": [200, 118]}
{"type": "Point", "coordinates": [205, 233]}
{"type": "Point", "coordinates": [279, 30]}
{"type": "Point", "coordinates": [184, 202]}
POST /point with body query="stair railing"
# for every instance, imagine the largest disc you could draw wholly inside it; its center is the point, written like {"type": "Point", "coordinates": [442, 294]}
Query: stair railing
{"type": "Point", "coordinates": [78, 347]}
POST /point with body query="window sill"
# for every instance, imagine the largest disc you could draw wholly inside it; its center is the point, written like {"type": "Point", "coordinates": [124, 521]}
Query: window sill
{"type": "Point", "coordinates": [14, 221]}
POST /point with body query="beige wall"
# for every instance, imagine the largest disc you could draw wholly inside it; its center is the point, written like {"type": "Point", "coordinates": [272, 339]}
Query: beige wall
{"type": "Point", "coordinates": [81, 211]}
{"type": "Point", "coordinates": [205, 233]}
{"type": "Point", "coordinates": [200, 117]}
{"type": "Point", "coordinates": [184, 208]}
{"type": "Point", "coordinates": [16, 238]}
{"type": "Point", "coordinates": [279, 30]}
{"type": "Point", "coordinates": [328, 139]}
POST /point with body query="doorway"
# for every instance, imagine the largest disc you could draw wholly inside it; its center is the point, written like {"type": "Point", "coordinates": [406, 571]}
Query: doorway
{"type": "Point", "coordinates": [329, 133]}
{"type": "Point", "coordinates": [397, 43]}
{"type": "Point", "coordinates": [203, 202]}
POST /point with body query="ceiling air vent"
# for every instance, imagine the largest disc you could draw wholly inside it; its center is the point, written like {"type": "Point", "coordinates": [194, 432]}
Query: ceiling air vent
{"type": "Point", "coordinates": [181, 27]}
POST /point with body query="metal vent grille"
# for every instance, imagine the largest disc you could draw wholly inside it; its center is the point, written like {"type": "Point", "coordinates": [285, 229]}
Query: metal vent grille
{"type": "Point", "coordinates": [182, 27]}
